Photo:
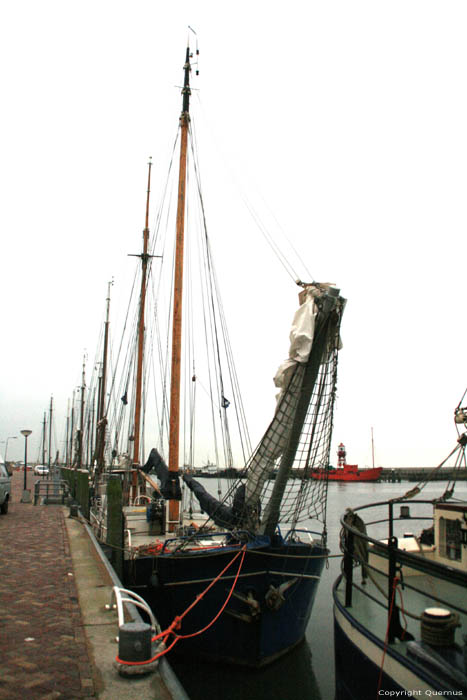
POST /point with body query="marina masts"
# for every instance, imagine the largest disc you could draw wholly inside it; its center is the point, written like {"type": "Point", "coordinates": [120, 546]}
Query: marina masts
{"type": "Point", "coordinates": [174, 428]}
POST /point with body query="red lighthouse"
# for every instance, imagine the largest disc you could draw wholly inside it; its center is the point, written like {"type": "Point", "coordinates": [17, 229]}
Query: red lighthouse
{"type": "Point", "coordinates": [341, 455]}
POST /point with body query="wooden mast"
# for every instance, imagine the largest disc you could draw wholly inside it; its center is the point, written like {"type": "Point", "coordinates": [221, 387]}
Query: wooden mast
{"type": "Point", "coordinates": [139, 367]}
{"type": "Point", "coordinates": [81, 416]}
{"type": "Point", "coordinates": [72, 424]}
{"type": "Point", "coordinates": [174, 429]}
{"type": "Point", "coordinates": [67, 433]}
{"type": "Point", "coordinates": [44, 434]}
{"type": "Point", "coordinates": [101, 408]}
{"type": "Point", "coordinates": [50, 431]}
{"type": "Point", "coordinates": [101, 421]}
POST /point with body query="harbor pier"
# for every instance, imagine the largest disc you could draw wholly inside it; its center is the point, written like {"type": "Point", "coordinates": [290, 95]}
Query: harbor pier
{"type": "Point", "coordinates": [58, 640]}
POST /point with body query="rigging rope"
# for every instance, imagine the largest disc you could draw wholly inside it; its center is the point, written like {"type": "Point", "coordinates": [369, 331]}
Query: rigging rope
{"type": "Point", "coordinates": [213, 294]}
{"type": "Point", "coordinates": [273, 245]}
{"type": "Point", "coordinates": [460, 447]}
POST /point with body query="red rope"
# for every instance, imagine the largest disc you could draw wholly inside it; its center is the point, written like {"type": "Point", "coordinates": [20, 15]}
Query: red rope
{"type": "Point", "coordinates": [195, 634]}
{"type": "Point", "coordinates": [176, 624]}
{"type": "Point", "coordinates": [386, 643]}
{"type": "Point", "coordinates": [403, 613]}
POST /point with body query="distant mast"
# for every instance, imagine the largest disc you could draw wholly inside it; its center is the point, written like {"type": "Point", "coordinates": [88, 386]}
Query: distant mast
{"type": "Point", "coordinates": [50, 431]}
{"type": "Point", "coordinates": [101, 402]}
{"type": "Point", "coordinates": [139, 366]}
{"type": "Point", "coordinates": [174, 428]}
{"type": "Point", "coordinates": [101, 422]}
{"type": "Point", "coordinates": [72, 424]}
{"type": "Point", "coordinates": [44, 434]}
{"type": "Point", "coordinates": [81, 416]}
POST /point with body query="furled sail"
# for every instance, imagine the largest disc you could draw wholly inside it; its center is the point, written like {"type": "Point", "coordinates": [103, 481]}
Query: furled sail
{"type": "Point", "coordinates": [299, 434]}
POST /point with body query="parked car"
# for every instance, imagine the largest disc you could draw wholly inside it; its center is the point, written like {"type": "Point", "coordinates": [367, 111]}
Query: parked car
{"type": "Point", "coordinates": [41, 470]}
{"type": "Point", "coordinates": [5, 488]}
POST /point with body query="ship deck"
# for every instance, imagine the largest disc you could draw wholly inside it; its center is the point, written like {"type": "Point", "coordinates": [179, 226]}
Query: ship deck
{"type": "Point", "coordinates": [408, 661]}
{"type": "Point", "coordinates": [418, 592]}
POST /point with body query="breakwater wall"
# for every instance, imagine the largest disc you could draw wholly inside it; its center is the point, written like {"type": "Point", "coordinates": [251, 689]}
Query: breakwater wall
{"type": "Point", "coordinates": [420, 473]}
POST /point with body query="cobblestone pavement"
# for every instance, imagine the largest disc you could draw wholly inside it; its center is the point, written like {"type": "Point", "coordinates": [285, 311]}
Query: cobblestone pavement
{"type": "Point", "coordinates": [43, 652]}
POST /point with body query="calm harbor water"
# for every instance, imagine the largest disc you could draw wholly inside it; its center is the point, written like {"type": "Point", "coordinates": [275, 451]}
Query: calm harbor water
{"type": "Point", "coordinates": [307, 673]}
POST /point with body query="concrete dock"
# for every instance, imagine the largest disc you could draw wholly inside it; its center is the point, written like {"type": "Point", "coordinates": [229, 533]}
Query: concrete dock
{"type": "Point", "coordinates": [57, 641]}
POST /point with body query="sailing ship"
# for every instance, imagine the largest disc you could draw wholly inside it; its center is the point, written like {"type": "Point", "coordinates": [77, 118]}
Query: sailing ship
{"type": "Point", "coordinates": [401, 626]}
{"type": "Point", "coordinates": [346, 472]}
{"type": "Point", "coordinates": [236, 579]}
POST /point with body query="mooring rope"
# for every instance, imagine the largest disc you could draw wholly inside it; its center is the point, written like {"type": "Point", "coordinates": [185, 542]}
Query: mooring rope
{"type": "Point", "coordinates": [176, 624]}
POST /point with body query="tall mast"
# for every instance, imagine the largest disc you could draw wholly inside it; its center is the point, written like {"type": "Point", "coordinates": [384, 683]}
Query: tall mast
{"type": "Point", "coordinates": [67, 433]}
{"type": "Point", "coordinates": [44, 422]}
{"type": "Point", "coordinates": [101, 409]}
{"type": "Point", "coordinates": [50, 429]}
{"type": "Point", "coordinates": [81, 416]}
{"type": "Point", "coordinates": [139, 369]}
{"type": "Point", "coordinates": [174, 430]}
{"type": "Point", "coordinates": [90, 427]}
{"type": "Point", "coordinates": [101, 421]}
{"type": "Point", "coordinates": [72, 426]}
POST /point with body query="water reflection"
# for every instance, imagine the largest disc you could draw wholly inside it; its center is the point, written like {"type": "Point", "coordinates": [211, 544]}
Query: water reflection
{"type": "Point", "coordinates": [289, 678]}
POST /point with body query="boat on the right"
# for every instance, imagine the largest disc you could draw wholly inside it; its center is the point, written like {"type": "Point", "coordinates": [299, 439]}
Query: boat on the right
{"type": "Point", "coordinates": [400, 603]}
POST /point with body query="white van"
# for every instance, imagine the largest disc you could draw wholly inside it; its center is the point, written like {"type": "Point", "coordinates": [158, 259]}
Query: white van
{"type": "Point", "coordinates": [5, 487]}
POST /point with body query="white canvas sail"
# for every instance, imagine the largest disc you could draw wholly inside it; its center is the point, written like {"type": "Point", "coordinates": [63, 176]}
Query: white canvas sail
{"type": "Point", "coordinates": [288, 379]}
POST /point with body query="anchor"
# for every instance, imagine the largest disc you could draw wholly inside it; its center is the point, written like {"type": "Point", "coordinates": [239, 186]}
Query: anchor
{"type": "Point", "coordinates": [275, 596]}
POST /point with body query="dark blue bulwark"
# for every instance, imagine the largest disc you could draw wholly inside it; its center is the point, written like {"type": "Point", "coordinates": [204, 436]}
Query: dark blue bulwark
{"type": "Point", "coordinates": [242, 634]}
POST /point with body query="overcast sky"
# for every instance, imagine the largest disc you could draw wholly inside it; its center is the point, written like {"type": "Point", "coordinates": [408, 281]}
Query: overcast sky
{"type": "Point", "coordinates": [344, 122]}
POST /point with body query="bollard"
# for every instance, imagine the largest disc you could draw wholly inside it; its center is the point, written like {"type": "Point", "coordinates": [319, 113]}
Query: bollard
{"type": "Point", "coordinates": [138, 650]}
{"type": "Point", "coordinates": [134, 641]}
{"type": "Point", "coordinates": [135, 645]}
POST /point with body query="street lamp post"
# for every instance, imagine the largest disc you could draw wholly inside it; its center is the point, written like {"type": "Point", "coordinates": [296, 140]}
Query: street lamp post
{"type": "Point", "coordinates": [26, 434]}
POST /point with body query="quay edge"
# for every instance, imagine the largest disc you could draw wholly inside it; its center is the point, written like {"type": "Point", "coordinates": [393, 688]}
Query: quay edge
{"type": "Point", "coordinates": [94, 580]}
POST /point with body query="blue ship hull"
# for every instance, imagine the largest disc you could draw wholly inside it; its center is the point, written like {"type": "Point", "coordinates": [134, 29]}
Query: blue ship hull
{"type": "Point", "coordinates": [250, 633]}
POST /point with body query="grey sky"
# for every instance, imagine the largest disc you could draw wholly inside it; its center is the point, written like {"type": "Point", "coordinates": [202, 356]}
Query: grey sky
{"type": "Point", "coordinates": [346, 118]}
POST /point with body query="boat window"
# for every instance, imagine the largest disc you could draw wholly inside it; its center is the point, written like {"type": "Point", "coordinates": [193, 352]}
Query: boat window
{"type": "Point", "coordinates": [450, 539]}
